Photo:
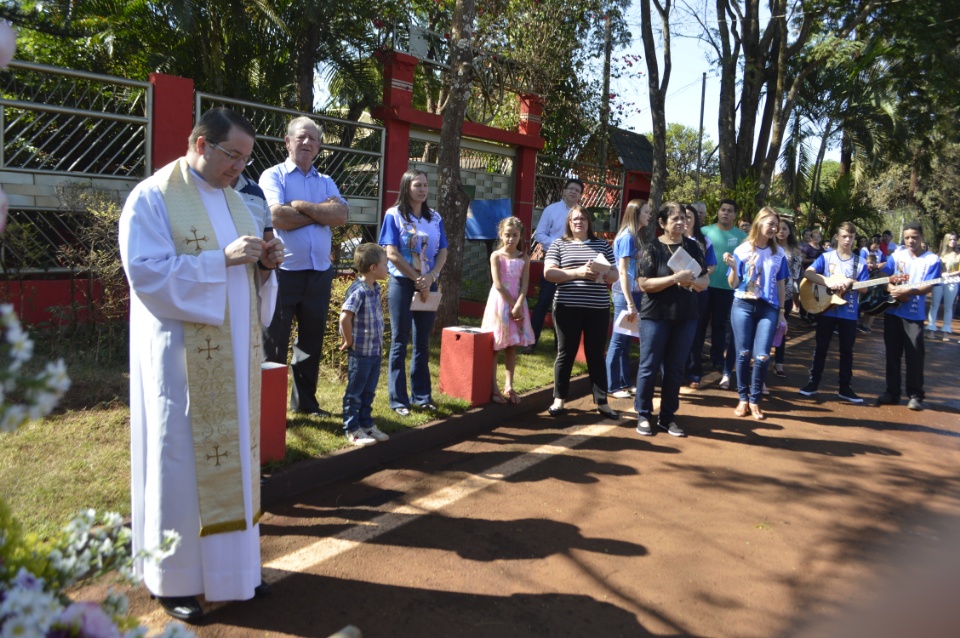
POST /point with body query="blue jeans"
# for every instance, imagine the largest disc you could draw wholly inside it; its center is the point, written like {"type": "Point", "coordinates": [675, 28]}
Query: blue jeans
{"type": "Point", "coordinates": [754, 323]}
{"type": "Point", "coordinates": [402, 319]}
{"type": "Point", "coordinates": [363, 374]}
{"type": "Point", "coordinates": [722, 352]}
{"type": "Point", "coordinates": [666, 342]}
{"type": "Point", "coordinates": [618, 352]}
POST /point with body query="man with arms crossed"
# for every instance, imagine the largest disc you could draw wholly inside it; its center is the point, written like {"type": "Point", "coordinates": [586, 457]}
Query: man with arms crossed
{"type": "Point", "coordinates": [903, 324]}
{"type": "Point", "coordinates": [304, 205]}
{"type": "Point", "coordinates": [196, 266]}
{"type": "Point", "coordinates": [553, 221]}
{"type": "Point", "coordinates": [836, 264]}
{"type": "Point", "coordinates": [725, 237]}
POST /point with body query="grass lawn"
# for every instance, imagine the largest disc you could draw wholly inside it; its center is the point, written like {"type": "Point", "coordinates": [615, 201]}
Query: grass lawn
{"type": "Point", "coordinates": [80, 458]}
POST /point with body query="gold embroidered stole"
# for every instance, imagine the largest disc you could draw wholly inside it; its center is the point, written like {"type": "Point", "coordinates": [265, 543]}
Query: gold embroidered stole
{"type": "Point", "coordinates": [210, 364]}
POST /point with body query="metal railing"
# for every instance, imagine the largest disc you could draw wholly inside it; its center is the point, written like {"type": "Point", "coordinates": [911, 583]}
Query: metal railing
{"type": "Point", "coordinates": [66, 121]}
{"type": "Point", "coordinates": [352, 152]}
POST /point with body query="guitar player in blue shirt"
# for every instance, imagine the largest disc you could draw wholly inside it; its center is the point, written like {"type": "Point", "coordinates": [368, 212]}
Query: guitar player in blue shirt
{"type": "Point", "coordinates": [903, 323]}
{"type": "Point", "coordinates": [839, 269]}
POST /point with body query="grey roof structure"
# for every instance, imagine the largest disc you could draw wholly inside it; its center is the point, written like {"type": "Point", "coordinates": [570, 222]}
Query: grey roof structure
{"type": "Point", "coordinates": [633, 149]}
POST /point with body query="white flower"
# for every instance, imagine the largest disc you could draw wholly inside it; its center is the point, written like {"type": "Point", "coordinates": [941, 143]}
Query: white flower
{"type": "Point", "coordinates": [36, 608]}
{"type": "Point", "coordinates": [12, 417]}
{"type": "Point", "coordinates": [27, 581]}
{"type": "Point", "coordinates": [56, 377]}
{"type": "Point", "coordinates": [115, 604]}
{"type": "Point", "coordinates": [21, 348]}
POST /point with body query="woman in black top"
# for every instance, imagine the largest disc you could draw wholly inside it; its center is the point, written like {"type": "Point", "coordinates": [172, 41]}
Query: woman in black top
{"type": "Point", "coordinates": [581, 306]}
{"type": "Point", "coordinates": [668, 318]}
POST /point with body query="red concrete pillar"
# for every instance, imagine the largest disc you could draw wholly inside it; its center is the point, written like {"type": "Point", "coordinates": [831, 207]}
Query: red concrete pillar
{"type": "Point", "coordinates": [172, 117]}
{"type": "Point", "coordinates": [466, 364]}
{"type": "Point", "coordinates": [398, 69]}
{"type": "Point", "coordinates": [531, 112]}
{"type": "Point", "coordinates": [273, 412]}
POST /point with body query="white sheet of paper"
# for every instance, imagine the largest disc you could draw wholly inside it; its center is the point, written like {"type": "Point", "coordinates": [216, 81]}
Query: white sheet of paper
{"type": "Point", "coordinates": [626, 327]}
{"type": "Point", "coordinates": [681, 260]}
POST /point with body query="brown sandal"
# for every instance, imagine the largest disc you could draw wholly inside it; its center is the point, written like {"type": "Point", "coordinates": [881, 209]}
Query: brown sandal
{"type": "Point", "coordinates": [496, 397]}
{"type": "Point", "coordinates": [757, 414]}
{"type": "Point", "coordinates": [512, 396]}
{"type": "Point", "coordinates": [742, 409]}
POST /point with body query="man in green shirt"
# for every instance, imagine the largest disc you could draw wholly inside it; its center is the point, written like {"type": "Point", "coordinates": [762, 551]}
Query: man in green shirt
{"type": "Point", "coordinates": [725, 237]}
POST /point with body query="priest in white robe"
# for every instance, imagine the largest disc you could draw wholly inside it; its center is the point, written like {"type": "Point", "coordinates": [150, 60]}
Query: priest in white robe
{"type": "Point", "coordinates": [202, 283]}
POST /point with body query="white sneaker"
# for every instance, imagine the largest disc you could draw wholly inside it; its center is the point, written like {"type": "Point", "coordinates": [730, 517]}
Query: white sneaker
{"type": "Point", "coordinates": [374, 433]}
{"type": "Point", "coordinates": [360, 438]}
{"type": "Point", "coordinates": [621, 394]}
{"type": "Point", "coordinates": [725, 382]}
{"type": "Point", "coordinates": [765, 391]}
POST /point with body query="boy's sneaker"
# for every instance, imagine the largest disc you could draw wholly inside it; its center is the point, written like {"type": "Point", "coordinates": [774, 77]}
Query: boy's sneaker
{"type": "Point", "coordinates": [725, 382]}
{"type": "Point", "coordinates": [809, 390]}
{"type": "Point", "coordinates": [863, 329]}
{"type": "Point", "coordinates": [915, 404]}
{"type": "Point", "coordinates": [621, 394]}
{"type": "Point", "coordinates": [360, 438]}
{"type": "Point", "coordinates": [643, 428]}
{"type": "Point", "coordinates": [847, 394]}
{"type": "Point", "coordinates": [374, 433]}
{"type": "Point", "coordinates": [673, 429]}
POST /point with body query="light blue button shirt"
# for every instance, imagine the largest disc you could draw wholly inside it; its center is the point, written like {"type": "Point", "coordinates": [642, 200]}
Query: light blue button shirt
{"type": "Point", "coordinates": [307, 247]}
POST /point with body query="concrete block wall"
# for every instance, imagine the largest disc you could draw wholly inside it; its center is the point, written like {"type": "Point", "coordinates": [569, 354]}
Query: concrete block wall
{"type": "Point", "coordinates": [34, 190]}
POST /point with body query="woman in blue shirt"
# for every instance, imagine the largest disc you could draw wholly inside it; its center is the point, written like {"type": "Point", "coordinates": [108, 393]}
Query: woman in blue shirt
{"type": "Point", "coordinates": [758, 273]}
{"type": "Point", "coordinates": [416, 245]}
{"type": "Point", "coordinates": [626, 294]}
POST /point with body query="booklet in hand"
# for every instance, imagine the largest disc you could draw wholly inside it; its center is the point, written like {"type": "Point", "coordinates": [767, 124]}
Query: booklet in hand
{"type": "Point", "coordinates": [430, 305]}
{"type": "Point", "coordinates": [600, 264]}
{"type": "Point", "coordinates": [682, 260]}
{"type": "Point", "coordinates": [626, 327]}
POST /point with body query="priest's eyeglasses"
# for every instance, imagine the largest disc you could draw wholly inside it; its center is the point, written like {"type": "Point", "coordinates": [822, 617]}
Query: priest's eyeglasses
{"type": "Point", "coordinates": [233, 155]}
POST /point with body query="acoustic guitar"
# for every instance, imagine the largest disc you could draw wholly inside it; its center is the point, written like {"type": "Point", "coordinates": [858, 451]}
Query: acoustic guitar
{"type": "Point", "coordinates": [878, 301]}
{"type": "Point", "coordinates": [816, 298]}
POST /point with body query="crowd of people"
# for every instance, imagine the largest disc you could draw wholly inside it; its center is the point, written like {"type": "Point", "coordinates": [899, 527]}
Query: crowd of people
{"type": "Point", "coordinates": [219, 267]}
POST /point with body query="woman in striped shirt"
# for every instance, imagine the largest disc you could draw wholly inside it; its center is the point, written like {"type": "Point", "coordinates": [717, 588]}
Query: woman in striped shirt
{"type": "Point", "coordinates": [581, 306]}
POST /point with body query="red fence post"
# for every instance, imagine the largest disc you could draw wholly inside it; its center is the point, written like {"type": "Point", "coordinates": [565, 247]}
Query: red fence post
{"type": "Point", "coordinates": [172, 117]}
{"type": "Point", "coordinates": [398, 69]}
{"type": "Point", "coordinates": [531, 113]}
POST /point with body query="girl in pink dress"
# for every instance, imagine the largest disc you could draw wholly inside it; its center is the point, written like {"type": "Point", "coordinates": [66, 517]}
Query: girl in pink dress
{"type": "Point", "coordinates": [506, 314]}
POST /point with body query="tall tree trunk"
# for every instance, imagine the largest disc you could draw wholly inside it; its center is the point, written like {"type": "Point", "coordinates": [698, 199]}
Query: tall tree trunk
{"type": "Point", "coordinates": [815, 179]}
{"type": "Point", "coordinates": [451, 198]}
{"type": "Point", "coordinates": [306, 62]}
{"type": "Point", "coordinates": [658, 92]}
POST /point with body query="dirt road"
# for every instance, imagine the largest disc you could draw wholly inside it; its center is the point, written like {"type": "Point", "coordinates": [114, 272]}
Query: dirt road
{"type": "Point", "coordinates": [577, 526]}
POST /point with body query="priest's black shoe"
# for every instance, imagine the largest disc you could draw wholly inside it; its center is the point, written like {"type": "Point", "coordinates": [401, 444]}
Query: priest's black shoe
{"type": "Point", "coordinates": [261, 590]}
{"type": "Point", "coordinates": [185, 608]}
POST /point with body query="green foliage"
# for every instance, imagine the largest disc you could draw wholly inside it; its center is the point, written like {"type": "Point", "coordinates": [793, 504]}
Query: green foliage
{"type": "Point", "coordinates": [842, 201]}
{"type": "Point", "coordinates": [18, 549]}
{"type": "Point", "coordinates": [94, 263]}
{"type": "Point", "coordinates": [745, 194]}
{"type": "Point", "coordinates": [682, 144]}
